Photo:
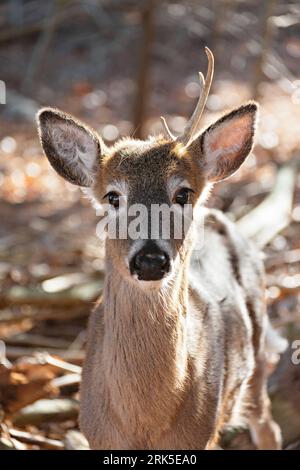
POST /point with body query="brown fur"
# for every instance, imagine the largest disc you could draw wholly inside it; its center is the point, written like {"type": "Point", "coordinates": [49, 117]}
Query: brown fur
{"type": "Point", "coordinates": [169, 367]}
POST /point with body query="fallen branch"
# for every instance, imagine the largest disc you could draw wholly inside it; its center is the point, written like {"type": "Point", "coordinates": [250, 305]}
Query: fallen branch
{"type": "Point", "coordinates": [41, 441]}
{"type": "Point", "coordinates": [78, 295]}
{"type": "Point", "coordinates": [264, 222]}
{"type": "Point", "coordinates": [69, 355]}
{"type": "Point", "coordinates": [28, 339]}
{"type": "Point", "coordinates": [46, 410]}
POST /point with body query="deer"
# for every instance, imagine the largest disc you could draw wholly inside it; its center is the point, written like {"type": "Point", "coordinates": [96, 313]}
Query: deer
{"type": "Point", "coordinates": [177, 346]}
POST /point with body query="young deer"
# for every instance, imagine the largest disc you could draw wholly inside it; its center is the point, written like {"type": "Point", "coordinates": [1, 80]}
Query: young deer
{"type": "Point", "coordinates": [177, 345]}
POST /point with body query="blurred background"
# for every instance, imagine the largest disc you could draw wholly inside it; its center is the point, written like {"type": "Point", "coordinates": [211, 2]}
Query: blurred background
{"type": "Point", "coordinates": [118, 65]}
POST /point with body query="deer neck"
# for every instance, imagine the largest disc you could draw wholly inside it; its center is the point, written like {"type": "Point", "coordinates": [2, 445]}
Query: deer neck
{"type": "Point", "coordinates": [145, 347]}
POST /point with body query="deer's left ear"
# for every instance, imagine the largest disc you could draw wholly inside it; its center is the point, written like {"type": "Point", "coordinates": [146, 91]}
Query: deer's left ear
{"type": "Point", "coordinates": [223, 147]}
{"type": "Point", "coordinates": [72, 148]}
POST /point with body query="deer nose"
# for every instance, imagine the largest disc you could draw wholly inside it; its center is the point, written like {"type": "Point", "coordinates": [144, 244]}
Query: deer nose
{"type": "Point", "coordinates": [150, 265]}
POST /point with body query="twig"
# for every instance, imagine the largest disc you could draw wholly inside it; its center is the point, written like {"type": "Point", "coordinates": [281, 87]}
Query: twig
{"type": "Point", "coordinates": [46, 358]}
{"type": "Point", "coordinates": [66, 381]}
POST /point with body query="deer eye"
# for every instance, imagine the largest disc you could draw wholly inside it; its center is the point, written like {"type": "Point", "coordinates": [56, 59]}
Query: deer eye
{"type": "Point", "coordinates": [182, 196]}
{"type": "Point", "coordinates": [113, 199]}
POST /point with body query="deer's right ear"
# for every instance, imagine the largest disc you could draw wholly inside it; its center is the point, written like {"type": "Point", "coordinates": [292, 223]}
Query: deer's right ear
{"type": "Point", "coordinates": [225, 145]}
{"type": "Point", "coordinates": [72, 148]}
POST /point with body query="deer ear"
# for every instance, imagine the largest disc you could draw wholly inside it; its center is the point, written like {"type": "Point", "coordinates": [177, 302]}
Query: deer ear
{"type": "Point", "coordinates": [72, 148]}
{"type": "Point", "coordinates": [225, 145]}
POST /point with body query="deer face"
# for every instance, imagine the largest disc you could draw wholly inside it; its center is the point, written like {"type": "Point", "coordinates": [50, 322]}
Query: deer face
{"type": "Point", "coordinates": [146, 186]}
{"type": "Point", "coordinates": [149, 184]}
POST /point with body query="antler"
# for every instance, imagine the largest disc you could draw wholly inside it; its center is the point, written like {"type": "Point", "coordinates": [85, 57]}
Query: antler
{"type": "Point", "coordinates": [193, 123]}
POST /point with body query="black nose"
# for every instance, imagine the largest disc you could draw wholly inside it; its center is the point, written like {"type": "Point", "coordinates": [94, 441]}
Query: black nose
{"type": "Point", "coordinates": [150, 264]}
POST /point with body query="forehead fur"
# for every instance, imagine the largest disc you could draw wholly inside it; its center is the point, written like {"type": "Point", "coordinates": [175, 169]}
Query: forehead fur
{"type": "Point", "coordinates": [145, 163]}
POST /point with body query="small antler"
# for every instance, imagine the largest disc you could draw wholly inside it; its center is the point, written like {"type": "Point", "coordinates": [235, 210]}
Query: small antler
{"type": "Point", "coordinates": [193, 124]}
{"type": "Point", "coordinates": [167, 130]}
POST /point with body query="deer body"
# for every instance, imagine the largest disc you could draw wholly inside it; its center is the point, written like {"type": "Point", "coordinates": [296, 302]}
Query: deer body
{"type": "Point", "coordinates": [177, 346]}
{"type": "Point", "coordinates": [188, 363]}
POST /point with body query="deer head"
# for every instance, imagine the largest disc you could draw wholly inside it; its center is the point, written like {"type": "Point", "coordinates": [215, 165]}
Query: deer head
{"type": "Point", "coordinates": [160, 170]}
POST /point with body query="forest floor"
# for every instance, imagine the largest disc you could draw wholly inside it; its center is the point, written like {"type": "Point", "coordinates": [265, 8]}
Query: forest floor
{"type": "Point", "coordinates": [51, 261]}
